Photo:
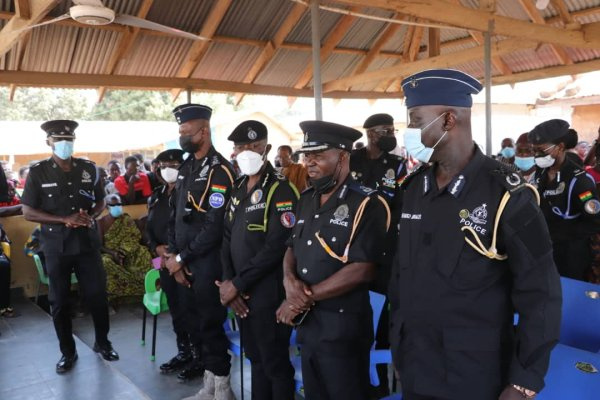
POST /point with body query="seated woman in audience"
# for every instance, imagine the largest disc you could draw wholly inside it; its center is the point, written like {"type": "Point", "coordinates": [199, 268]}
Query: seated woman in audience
{"type": "Point", "coordinates": [125, 259]}
{"type": "Point", "coordinates": [134, 186]}
{"type": "Point", "coordinates": [6, 310]}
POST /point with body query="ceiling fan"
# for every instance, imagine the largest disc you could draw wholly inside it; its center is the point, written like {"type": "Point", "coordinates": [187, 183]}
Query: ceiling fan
{"type": "Point", "coordinates": [93, 12]}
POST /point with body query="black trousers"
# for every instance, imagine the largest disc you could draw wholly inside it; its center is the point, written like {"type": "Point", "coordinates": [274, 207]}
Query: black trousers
{"type": "Point", "coordinates": [177, 297]}
{"type": "Point", "coordinates": [335, 355]}
{"type": "Point", "coordinates": [207, 316]}
{"type": "Point", "coordinates": [414, 396]}
{"type": "Point", "coordinates": [4, 284]}
{"type": "Point", "coordinates": [267, 343]}
{"type": "Point", "coordinates": [92, 282]}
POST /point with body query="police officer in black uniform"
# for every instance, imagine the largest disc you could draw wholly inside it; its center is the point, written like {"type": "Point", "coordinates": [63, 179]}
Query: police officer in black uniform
{"type": "Point", "coordinates": [332, 255]}
{"type": "Point", "coordinates": [569, 197]}
{"type": "Point", "coordinates": [375, 167]}
{"type": "Point", "coordinates": [473, 249]}
{"type": "Point", "coordinates": [195, 233]}
{"type": "Point", "coordinates": [177, 295]}
{"type": "Point", "coordinates": [258, 222]}
{"type": "Point", "coordinates": [65, 194]}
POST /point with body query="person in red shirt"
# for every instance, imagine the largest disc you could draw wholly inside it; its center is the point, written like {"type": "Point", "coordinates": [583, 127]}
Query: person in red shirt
{"type": "Point", "coordinates": [13, 199]}
{"type": "Point", "coordinates": [134, 186]}
{"type": "Point", "coordinates": [594, 170]}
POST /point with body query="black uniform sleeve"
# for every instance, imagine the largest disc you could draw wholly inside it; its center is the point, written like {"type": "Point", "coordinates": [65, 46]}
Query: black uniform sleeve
{"type": "Point", "coordinates": [368, 243]}
{"type": "Point", "coordinates": [171, 223]}
{"type": "Point", "coordinates": [585, 197]}
{"type": "Point", "coordinates": [226, 261]}
{"type": "Point", "coordinates": [279, 227]}
{"type": "Point", "coordinates": [536, 290]}
{"type": "Point", "coordinates": [98, 186]}
{"type": "Point", "coordinates": [210, 234]}
{"type": "Point", "coordinates": [31, 193]}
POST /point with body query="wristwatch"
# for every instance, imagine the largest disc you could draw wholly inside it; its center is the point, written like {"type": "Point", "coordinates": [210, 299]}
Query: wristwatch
{"type": "Point", "coordinates": [178, 258]}
{"type": "Point", "coordinates": [526, 393]}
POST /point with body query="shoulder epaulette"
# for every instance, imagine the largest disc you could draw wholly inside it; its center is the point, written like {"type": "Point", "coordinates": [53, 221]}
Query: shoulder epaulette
{"type": "Point", "coordinates": [364, 190]}
{"type": "Point", "coordinates": [413, 174]}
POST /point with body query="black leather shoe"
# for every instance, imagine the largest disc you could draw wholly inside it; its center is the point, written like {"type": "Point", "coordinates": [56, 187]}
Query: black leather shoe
{"type": "Point", "coordinates": [192, 371]}
{"type": "Point", "coordinates": [66, 363]}
{"type": "Point", "coordinates": [107, 352]}
{"type": "Point", "coordinates": [176, 363]}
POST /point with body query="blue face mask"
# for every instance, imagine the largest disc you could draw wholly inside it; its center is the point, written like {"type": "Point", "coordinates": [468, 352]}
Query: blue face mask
{"type": "Point", "coordinates": [63, 149]}
{"type": "Point", "coordinates": [507, 152]}
{"type": "Point", "coordinates": [115, 211]}
{"type": "Point", "coordinates": [524, 163]}
{"type": "Point", "coordinates": [414, 145]}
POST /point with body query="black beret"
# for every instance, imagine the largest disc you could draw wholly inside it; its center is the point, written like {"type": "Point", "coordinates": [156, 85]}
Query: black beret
{"type": "Point", "coordinates": [170, 155]}
{"type": "Point", "coordinates": [440, 87]}
{"type": "Point", "coordinates": [188, 112]}
{"type": "Point", "coordinates": [60, 128]}
{"type": "Point", "coordinates": [321, 135]}
{"type": "Point", "coordinates": [378, 119]}
{"type": "Point", "coordinates": [248, 132]}
{"type": "Point", "coordinates": [548, 131]}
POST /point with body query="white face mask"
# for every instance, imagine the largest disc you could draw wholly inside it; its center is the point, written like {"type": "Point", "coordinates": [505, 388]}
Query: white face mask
{"type": "Point", "coordinates": [249, 162]}
{"type": "Point", "coordinates": [169, 174]}
{"type": "Point", "coordinates": [545, 162]}
{"type": "Point", "coordinates": [414, 144]}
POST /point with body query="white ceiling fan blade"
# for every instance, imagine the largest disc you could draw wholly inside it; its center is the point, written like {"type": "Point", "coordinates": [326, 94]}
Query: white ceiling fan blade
{"type": "Point", "coordinates": [64, 16]}
{"type": "Point", "coordinates": [95, 3]}
{"type": "Point", "coordinates": [144, 23]}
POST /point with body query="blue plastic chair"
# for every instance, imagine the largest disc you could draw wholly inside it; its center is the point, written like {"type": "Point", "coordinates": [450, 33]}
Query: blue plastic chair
{"type": "Point", "coordinates": [393, 397]}
{"type": "Point", "coordinates": [155, 301]}
{"type": "Point", "coordinates": [565, 380]}
{"type": "Point", "coordinates": [377, 356]}
{"type": "Point", "coordinates": [580, 325]}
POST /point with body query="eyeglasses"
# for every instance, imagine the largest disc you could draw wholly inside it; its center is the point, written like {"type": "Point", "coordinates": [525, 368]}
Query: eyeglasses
{"type": "Point", "coordinates": [115, 204]}
{"type": "Point", "coordinates": [383, 131]}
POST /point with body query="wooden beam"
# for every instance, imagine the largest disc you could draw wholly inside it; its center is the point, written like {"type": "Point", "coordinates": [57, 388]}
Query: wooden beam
{"type": "Point", "coordinates": [434, 42]}
{"type": "Point", "coordinates": [497, 61]}
{"type": "Point", "coordinates": [551, 72]}
{"type": "Point", "coordinates": [534, 14]}
{"type": "Point", "coordinates": [128, 82]}
{"type": "Point", "coordinates": [375, 50]}
{"type": "Point", "coordinates": [125, 43]}
{"type": "Point", "coordinates": [459, 16]}
{"type": "Point", "coordinates": [441, 61]}
{"type": "Point", "coordinates": [12, 32]}
{"type": "Point", "coordinates": [291, 20]}
{"type": "Point", "coordinates": [563, 12]}
{"type": "Point", "coordinates": [337, 33]}
{"type": "Point", "coordinates": [12, 89]}
{"type": "Point", "coordinates": [23, 9]}
{"type": "Point", "coordinates": [200, 47]}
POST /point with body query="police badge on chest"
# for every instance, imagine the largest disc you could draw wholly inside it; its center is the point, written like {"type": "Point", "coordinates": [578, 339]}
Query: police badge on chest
{"type": "Point", "coordinates": [340, 216]}
{"type": "Point", "coordinates": [476, 219]}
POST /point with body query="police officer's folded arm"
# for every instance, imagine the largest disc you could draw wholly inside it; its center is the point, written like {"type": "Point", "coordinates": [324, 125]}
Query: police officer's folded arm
{"type": "Point", "coordinates": [226, 261]}
{"type": "Point", "coordinates": [269, 256]}
{"type": "Point", "coordinates": [365, 251]}
{"type": "Point", "coordinates": [536, 292]}
{"type": "Point", "coordinates": [210, 234]}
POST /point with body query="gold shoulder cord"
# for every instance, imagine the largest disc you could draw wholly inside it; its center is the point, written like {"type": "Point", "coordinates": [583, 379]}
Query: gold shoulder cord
{"type": "Point", "coordinates": [198, 206]}
{"type": "Point", "coordinates": [357, 218]}
{"type": "Point", "coordinates": [492, 252]}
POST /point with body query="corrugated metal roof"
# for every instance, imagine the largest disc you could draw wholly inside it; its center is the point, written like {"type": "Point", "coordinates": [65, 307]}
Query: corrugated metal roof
{"type": "Point", "coordinates": [253, 19]}
{"type": "Point", "coordinates": [226, 61]}
{"type": "Point", "coordinates": [60, 48]}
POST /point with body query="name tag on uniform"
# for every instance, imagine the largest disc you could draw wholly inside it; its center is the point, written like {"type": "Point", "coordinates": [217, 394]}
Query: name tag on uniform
{"type": "Point", "coordinates": [53, 184]}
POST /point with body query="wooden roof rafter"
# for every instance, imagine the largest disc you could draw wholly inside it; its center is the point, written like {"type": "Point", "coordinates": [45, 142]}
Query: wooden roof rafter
{"type": "Point", "coordinates": [125, 44]}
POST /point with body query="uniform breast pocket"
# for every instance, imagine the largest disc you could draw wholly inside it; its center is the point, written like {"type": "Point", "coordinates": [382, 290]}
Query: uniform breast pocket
{"type": "Point", "coordinates": [333, 238]}
{"type": "Point", "coordinates": [50, 198]}
{"type": "Point", "coordinates": [470, 270]}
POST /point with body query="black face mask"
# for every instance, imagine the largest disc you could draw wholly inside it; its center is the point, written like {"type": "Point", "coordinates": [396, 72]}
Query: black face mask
{"type": "Point", "coordinates": [325, 184]}
{"type": "Point", "coordinates": [186, 144]}
{"type": "Point", "coordinates": [387, 143]}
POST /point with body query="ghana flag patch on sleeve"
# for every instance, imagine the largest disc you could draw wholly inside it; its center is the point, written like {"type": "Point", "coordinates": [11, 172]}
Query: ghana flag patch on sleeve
{"type": "Point", "coordinates": [585, 196]}
{"type": "Point", "coordinates": [283, 205]}
{"type": "Point", "coordinates": [218, 188]}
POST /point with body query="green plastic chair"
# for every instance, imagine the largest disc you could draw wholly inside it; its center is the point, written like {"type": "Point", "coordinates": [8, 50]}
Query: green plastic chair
{"type": "Point", "coordinates": [43, 278]}
{"type": "Point", "coordinates": [155, 301]}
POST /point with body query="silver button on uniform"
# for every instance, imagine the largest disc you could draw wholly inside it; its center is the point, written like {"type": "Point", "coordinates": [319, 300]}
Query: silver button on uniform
{"type": "Point", "coordinates": [304, 270]}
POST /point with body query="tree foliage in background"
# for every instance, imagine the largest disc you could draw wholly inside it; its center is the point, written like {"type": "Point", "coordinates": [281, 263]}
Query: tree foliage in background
{"type": "Point", "coordinates": [36, 104]}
